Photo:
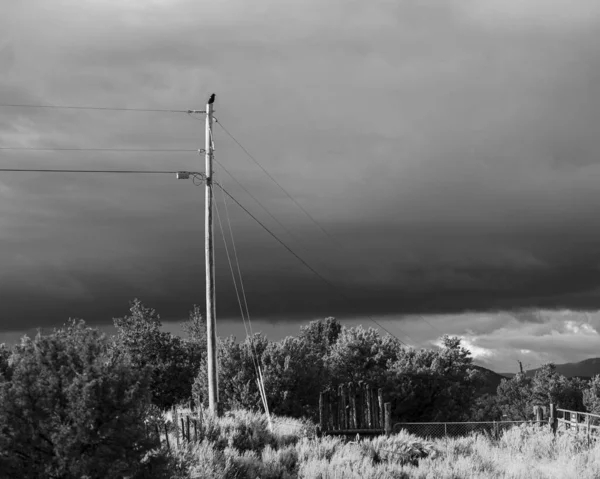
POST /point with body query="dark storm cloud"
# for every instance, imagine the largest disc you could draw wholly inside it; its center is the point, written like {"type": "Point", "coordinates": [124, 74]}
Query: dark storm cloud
{"type": "Point", "coordinates": [449, 147]}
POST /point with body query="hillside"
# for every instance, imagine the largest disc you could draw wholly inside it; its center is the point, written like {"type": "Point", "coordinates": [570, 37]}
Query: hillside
{"type": "Point", "coordinates": [584, 369]}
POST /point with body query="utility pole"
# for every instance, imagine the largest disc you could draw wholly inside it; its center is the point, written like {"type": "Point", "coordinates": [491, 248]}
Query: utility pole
{"type": "Point", "coordinates": [211, 327]}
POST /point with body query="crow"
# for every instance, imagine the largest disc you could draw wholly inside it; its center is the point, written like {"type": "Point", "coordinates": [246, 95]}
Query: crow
{"type": "Point", "coordinates": [211, 99]}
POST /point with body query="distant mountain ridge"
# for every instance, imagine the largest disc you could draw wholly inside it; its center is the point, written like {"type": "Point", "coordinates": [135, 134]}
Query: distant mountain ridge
{"type": "Point", "coordinates": [585, 369]}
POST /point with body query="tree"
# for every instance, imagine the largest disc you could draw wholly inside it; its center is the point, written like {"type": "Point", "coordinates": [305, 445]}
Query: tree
{"type": "Point", "coordinates": [293, 375]}
{"type": "Point", "coordinates": [591, 396]}
{"type": "Point", "coordinates": [361, 355]}
{"type": "Point", "coordinates": [73, 408]}
{"type": "Point", "coordinates": [550, 387]}
{"type": "Point", "coordinates": [321, 334]}
{"type": "Point", "coordinates": [433, 385]}
{"type": "Point", "coordinates": [173, 361]}
{"type": "Point", "coordinates": [236, 374]}
{"type": "Point", "coordinates": [514, 397]}
{"type": "Point", "coordinates": [486, 408]}
{"type": "Point", "coordinates": [5, 370]}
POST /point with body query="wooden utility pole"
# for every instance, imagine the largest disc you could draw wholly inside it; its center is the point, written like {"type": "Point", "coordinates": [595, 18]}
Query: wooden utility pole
{"type": "Point", "coordinates": [211, 327]}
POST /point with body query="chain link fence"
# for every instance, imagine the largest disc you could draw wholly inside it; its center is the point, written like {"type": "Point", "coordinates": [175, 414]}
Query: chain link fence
{"type": "Point", "coordinates": [437, 430]}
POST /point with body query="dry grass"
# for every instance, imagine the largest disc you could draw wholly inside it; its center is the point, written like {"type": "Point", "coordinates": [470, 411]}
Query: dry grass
{"type": "Point", "coordinates": [241, 445]}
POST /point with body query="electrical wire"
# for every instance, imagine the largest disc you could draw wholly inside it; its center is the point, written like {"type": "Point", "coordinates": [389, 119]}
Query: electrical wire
{"type": "Point", "coordinates": [325, 280]}
{"type": "Point", "coordinates": [281, 187]}
{"type": "Point", "coordinates": [62, 107]}
{"type": "Point", "coordinates": [41, 170]}
{"type": "Point", "coordinates": [138, 150]}
{"type": "Point", "coordinates": [256, 363]}
{"type": "Point", "coordinates": [264, 208]}
{"type": "Point", "coordinates": [276, 182]}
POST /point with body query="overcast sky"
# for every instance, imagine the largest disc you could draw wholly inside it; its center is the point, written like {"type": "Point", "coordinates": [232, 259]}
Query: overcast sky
{"type": "Point", "coordinates": [449, 148]}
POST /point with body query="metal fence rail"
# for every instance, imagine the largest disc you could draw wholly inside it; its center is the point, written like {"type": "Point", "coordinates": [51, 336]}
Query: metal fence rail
{"type": "Point", "coordinates": [436, 430]}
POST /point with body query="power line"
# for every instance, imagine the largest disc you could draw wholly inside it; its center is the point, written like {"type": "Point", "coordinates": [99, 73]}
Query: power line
{"type": "Point", "coordinates": [86, 171]}
{"type": "Point", "coordinates": [325, 280]}
{"type": "Point", "coordinates": [279, 185]}
{"type": "Point", "coordinates": [264, 208]}
{"type": "Point", "coordinates": [275, 181]}
{"type": "Point", "coordinates": [62, 107]}
{"type": "Point", "coordinates": [138, 150]}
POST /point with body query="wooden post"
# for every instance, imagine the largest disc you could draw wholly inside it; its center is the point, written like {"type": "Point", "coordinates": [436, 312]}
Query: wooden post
{"type": "Point", "coordinates": [539, 414]}
{"type": "Point", "coordinates": [587, 429]}
{"type": "Point", "coordinates": [182, 431]}
{"type": "Point", "coordinates": [188, 428]}
{"type": "Point", "coordinates": [360, 407]}
{"type": "Point", "coordinates": [330, 409]}
{"type": "Point", "coordinates": [322, 411]}
{"type": "Point", "coordinates": [366, 392]}
{"type": "Point", "coordinates": [167, 436]}
{"type": "Point", "coordinates": [195, 430]}
{"type": "Point", "coordinates": [352, 396]}
{"type": "Point", "coordinates": [388, 418]}
{"type": "Point", "coordinates": [380, 404]}
{"type": "Point", "coordinates": [553, 419]}
{"type": "Point", "coordinates": [176, 425]}
{"type": "Point", "coordinates": [343, 411]}
{"type": "Point", "coordinates": [209, 262]}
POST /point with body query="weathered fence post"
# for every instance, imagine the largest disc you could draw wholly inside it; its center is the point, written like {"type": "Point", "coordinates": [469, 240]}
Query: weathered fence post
{"type": "Point", "coordinates": [366, 392]}
{"type": "Point", "coordinates": [322, 411]}
{"type": "Point", "coordinates": [388, 418]}
{"type": "Point", "coordinates": [587, 428]}
{"type": "Point", "coordinates": [176, 425]}
{"type": "Point", "coordinates": [553, 420]}
{"type": "Point", "coordinates": [380, 404]}
{"type": "Point", "coordinates": [336, 413]}
{"type": "Point", "coordinates": [352, 395]}
{"type": "Point", "coordinates": [360, 407]}
{"type": "Point", "coordinates": [188, 428]}
{"type": "Point", "coordinates": [342, 408]}
{"type": "Point", "coordinates": [539, 414]}
{"type": "Point", "coordinates": [167, 436]}
{"type": "Point", "coordinates": [182, 432]}
{"type": "Point", "coordinates": [195, 429]}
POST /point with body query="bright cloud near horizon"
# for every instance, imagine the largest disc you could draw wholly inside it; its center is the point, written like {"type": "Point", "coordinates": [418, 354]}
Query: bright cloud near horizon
{"type": "Point", "coordinates": [450, 148]}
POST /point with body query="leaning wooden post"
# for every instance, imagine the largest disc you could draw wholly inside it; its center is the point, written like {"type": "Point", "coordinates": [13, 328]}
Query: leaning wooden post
{"type": "Point", "coordinates": [388, 418]}
{"type": "Point", "coordinates": [182, 431]}
{"type": "Point", "coordinates": [176, 424]}
{"type": "Point", "coordinates": [167, 436]}
{"type": "Point", "coordinates": [553, 419]}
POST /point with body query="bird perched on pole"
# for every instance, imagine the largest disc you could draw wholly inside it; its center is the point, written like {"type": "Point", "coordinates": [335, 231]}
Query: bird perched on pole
{"type": "Point", "coordinates": [211, 99]}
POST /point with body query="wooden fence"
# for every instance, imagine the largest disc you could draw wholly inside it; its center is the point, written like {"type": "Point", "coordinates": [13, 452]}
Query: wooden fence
{"type": "Point", "coordinates": [574, 422]}
{"type": "Point", "coordinates": [179, 426]}
{"type": "Point", "coordinates": [354, 409]}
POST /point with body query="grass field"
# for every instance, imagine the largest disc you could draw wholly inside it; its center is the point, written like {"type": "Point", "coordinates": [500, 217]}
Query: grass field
{"type": "Point", "coordinates": [241, 445]}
